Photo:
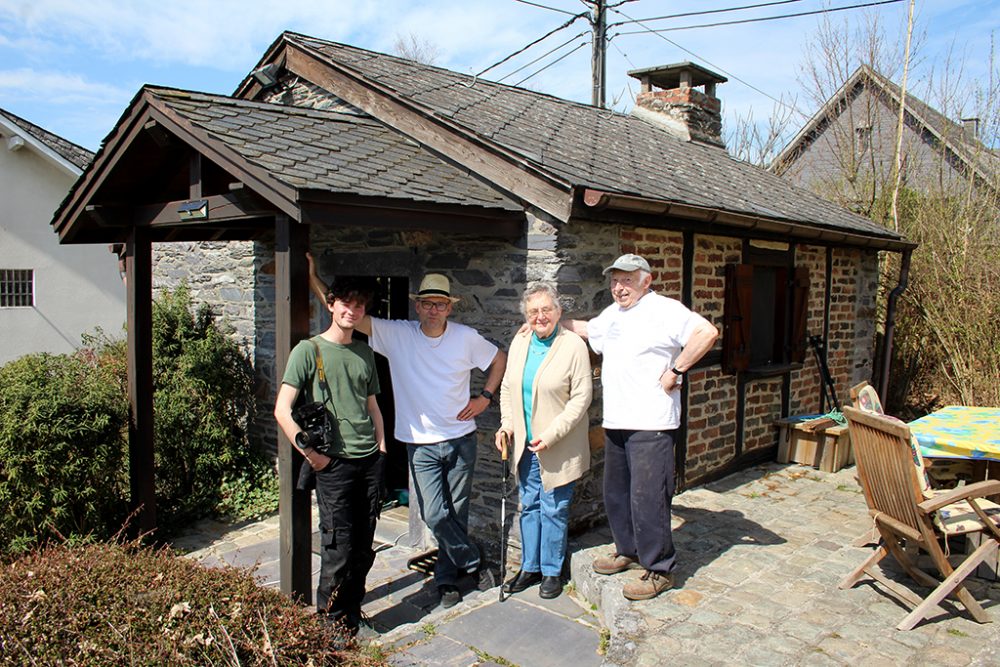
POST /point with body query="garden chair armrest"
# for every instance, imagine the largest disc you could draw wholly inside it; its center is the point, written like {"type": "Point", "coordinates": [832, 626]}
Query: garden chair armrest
{"type": "Point", "coordinates": [988, 487]}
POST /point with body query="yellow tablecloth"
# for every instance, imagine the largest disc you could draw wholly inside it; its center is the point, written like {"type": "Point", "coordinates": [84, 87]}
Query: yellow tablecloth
{"type": "Point", "coordinates": [960, 432]}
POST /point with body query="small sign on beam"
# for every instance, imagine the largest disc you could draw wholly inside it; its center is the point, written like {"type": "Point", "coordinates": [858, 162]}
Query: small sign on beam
{"type": "Point", "coordinates": [196, 209]}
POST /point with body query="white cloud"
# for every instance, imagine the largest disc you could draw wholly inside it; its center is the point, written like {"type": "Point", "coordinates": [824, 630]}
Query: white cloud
{"type": "Point", "coordinates": [60, 88]}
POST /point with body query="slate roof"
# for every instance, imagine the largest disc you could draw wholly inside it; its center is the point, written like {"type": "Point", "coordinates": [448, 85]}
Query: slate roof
{"type": "Point", "coordinates": [76, 155]}
{"type": "Point", "coordinates": [328, 150]}
{"type": "Point", "coordinates": [969, 149]}
{"type": "Point", "coordinates": [591, 147]}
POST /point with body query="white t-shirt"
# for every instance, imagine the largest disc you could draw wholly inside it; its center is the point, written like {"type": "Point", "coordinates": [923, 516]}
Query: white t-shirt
{"type": "Point", "coordinates": [638, 344]}
{"type": "Point", "coordinates": [430, 376]}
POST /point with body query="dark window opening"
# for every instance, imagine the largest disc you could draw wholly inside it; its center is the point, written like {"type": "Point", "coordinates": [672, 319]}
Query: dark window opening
{"type": "Point", "coordinates": [764, 323]}
{"type": "Point", "coordinates": [17, 288]}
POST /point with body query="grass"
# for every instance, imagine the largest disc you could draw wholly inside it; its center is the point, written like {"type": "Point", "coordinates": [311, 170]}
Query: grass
{"type": "Point", "coordinates": [605, 642]}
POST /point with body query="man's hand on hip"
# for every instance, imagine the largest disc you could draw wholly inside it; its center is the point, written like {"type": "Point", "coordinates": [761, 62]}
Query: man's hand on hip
{"type": "Point", "coordinates": [473, 408]}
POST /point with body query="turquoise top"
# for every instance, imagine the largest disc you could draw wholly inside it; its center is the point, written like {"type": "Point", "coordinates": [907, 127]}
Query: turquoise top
{"type": "Point", "coordinates": [537, 349]}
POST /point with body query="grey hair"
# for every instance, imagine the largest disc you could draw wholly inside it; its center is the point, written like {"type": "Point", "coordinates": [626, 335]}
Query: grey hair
{"type": "Point", "coordinates": [540, 287]}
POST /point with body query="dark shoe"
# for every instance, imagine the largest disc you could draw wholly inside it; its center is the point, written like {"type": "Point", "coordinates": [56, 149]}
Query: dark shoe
{"type": "Point", "coordinates": [450, 595]}
{"type": "Point", "coordinates": [485, 579]}
{"type": "Point", "coordinates": [551, 588]}
{"type": "Point", "coordinates": [648, 585]}
{"type": "Point", "coordinates": [614, 564]}
{"type": "Point", "coordinates": [521, 581]}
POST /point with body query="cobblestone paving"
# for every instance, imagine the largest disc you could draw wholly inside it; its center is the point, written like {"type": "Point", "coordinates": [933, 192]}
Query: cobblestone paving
{"type": "Point", "coordinates": [761, 555]}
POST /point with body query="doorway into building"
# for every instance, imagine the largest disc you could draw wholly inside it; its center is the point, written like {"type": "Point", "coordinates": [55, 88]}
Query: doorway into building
{"type": "Point", "coordinates": [391, 302]}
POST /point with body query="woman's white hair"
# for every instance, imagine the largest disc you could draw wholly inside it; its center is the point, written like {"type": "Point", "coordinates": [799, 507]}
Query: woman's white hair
{"type": "Point", "coordinates": [540, 287]}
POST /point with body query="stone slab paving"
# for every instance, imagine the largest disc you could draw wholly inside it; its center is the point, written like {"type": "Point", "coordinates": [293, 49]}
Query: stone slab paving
{"type": "Point", "coordinates": [760, 556]}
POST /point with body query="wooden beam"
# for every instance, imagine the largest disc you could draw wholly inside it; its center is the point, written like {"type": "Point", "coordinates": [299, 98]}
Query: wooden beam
{"type": "Point", "coordinates": [508, 170]}
{"type": "Point", "coordinates": [510, 226]}
{"type": "Point", "coordinates": [194, 176]}
{"type": "Point", "coordinates": [291, 314]}
{"type": "Point", "coordinates": [139, 285]}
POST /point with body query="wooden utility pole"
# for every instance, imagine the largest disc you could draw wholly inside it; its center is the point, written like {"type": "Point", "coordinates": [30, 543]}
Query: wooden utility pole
{"type": "Point", "coordinates": [599, 22]}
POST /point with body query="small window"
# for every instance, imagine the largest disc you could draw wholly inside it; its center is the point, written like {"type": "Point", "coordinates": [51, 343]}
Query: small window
{"type": "Point", "coordinates": [17, 288]}
{"type": "Point", "coordinates": [765, 316]}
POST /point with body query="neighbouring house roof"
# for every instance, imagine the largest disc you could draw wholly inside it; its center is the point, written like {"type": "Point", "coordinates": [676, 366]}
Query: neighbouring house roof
{"type": "Point", "coordinates": [77, 156]}
{"type": "Point", "coordinates": [578, 146]}
{"type": "Point", "coordinates": [969, 150]}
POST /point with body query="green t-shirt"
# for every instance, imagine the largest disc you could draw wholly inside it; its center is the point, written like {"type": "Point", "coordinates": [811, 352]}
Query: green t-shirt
{"type": "Point", "coordinates": [351, 376]}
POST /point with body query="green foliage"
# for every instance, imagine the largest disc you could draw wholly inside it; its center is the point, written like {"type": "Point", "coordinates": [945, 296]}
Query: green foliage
{"type": "Point", "coordinates": [108, 604]}
{"type": "Point", "coordinates": [64, 432]}
{"type": "Point", "coordinates": [203, 404]}
{"type": "Point", "coordinates": [62, 448]}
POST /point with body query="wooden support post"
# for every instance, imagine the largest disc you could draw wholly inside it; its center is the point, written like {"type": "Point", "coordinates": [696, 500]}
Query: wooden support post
{"type": "Point", "coordinates": [139, 285]}
{"type": "Point", "coordinates": [291, 287]}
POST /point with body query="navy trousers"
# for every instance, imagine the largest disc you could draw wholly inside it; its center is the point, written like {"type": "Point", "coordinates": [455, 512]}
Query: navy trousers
{"type": "Point", "coordinates": [638, 491]}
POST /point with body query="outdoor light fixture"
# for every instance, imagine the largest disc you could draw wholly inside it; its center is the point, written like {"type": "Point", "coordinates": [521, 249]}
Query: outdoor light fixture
{"type": "Point", "coordinates": [267, 75]}
{"type": "Point", "coordinates": [196, 209]}
{"type": "Point", "coordinates": [15, 143]}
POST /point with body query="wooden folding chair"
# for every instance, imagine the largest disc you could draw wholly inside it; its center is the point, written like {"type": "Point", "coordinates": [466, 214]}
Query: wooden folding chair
{"type": "Point", "coordinates": [904, 517]}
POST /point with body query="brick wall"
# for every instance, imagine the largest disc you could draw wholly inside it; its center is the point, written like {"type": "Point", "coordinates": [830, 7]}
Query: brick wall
{"type": "Point", "coordinates": [762, 406]}
{"type": "Point", "coordinates": [806, 385]}
{"type": "Point", "coordinates": [664, 250]}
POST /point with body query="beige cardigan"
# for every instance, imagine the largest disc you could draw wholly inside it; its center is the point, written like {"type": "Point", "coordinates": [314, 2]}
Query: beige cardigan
{"type": "Point", "coordinates": [561, 394]}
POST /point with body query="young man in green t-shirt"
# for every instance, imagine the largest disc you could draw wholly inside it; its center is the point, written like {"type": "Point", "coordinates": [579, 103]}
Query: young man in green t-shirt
{"type": "Point", "coordinates": [348, 463]}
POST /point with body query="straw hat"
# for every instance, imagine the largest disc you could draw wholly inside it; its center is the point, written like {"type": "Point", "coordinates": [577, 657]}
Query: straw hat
{"type": "Point", "coordinates": [434, 284]}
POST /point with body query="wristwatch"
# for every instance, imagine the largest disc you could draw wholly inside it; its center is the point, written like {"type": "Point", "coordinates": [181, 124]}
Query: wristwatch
{"type": "Point", "coordinates": [677, 372]}
{"type": "Point", "coordinates": [487, 394]}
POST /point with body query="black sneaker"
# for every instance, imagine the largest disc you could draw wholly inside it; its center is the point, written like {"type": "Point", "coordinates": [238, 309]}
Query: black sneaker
{"type": "Point", "coordinates": [450, 595]}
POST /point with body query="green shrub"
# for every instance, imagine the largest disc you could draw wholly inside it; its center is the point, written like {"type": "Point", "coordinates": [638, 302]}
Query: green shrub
{"type": "Point", "coordinates": [108, 604]}
{"type": "Point", "coordinates": [203, 404]}
{"type": "Point", "coordinates": [63, 421]}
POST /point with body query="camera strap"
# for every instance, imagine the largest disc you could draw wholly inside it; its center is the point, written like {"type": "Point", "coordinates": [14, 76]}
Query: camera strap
{"type": "Point", "coordinates": [321, 375]}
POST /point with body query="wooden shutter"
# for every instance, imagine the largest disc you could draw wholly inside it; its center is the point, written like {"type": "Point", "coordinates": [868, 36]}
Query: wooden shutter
{"type": "Point", "coordinates": [736, 318]}
{"type": "Point", "coordinates": [800, 314]}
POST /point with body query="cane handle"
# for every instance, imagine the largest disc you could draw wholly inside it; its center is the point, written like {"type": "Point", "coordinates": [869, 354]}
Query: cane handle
{"type": "Point", "coordinates": [504, 444]}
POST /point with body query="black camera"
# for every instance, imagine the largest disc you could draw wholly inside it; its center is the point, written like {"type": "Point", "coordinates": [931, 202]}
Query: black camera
{"type": "Point", "coordinates": [316, 433]}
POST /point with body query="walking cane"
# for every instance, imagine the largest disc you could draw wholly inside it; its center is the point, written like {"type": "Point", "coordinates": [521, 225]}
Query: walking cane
{"type": "Point", "coordinates": [504, 475]}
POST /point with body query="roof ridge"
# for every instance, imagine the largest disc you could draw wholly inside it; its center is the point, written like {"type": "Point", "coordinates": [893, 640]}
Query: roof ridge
{"type": "Point", "coordinates": [474, 78]}
{"type": "Point", "coordinates": [50, 139]}
{"type": "Point", "coordinates": [168, 91]}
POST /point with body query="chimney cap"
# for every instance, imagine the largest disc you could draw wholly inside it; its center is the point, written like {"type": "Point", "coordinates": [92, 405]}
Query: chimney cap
{"type": "Point", "coordinates": [669, 76]}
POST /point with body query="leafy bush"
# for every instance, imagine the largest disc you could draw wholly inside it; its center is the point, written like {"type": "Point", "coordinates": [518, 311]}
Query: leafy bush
{"type": "Point", "coordinates": [105, 604]}
{"type": "Point", "coordinates": [62, 448]}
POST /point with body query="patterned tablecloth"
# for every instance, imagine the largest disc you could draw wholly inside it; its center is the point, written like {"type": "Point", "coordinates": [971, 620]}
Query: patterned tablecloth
{"type": "Point", "coordinates": [959, 432]}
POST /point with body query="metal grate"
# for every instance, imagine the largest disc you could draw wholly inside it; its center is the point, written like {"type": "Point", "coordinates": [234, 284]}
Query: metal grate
{"type": "Point", "coordinates": [17, 288]}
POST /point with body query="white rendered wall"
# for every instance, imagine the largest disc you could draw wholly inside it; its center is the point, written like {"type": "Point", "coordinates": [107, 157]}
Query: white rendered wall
{"type": "Point", "coordinates": [77, 287]}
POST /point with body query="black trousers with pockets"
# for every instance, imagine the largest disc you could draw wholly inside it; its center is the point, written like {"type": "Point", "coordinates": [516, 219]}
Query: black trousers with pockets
{"type": "Point", "coordinates": [347, 492]}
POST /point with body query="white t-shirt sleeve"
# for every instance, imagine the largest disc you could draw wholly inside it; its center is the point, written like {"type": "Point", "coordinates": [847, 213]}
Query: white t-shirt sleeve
{"type": "Point", "coordinates": [386, 335]}
{"type": "Point", "coordinates": [597, 330]}
{"type": "Point", "coordinates": [481, 351]}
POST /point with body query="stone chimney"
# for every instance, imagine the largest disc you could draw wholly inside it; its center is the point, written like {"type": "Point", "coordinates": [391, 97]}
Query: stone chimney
{"type": "Point", "coordinates": [971, 127]}
{"type": "Point", "coordinates": [679, 107]}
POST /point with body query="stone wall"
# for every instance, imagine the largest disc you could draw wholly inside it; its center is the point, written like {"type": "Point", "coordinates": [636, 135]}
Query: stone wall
{"type": "Point", "coordinates": [806, 384]}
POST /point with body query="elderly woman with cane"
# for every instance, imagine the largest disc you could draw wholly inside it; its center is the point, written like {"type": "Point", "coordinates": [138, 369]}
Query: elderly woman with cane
{"type": "Point", "coordinates": [544, 397]}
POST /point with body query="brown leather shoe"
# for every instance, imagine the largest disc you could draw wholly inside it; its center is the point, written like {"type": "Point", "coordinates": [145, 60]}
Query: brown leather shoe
{"type": "Point", "coordinates": [614, 563]}
{"type": "Point", "coordinates": [649, 585]}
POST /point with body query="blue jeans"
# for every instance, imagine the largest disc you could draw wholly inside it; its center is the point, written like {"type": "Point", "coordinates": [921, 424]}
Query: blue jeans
{"type": "Point", "coordinates": [638, 493]}
{"type": "Point", "coordinates": [544, 519]}
{"type": "Point", "coordinates": [442, 478]}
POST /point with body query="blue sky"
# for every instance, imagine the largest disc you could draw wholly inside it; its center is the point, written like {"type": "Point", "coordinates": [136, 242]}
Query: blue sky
{"type": "Point", "coordinates": [73, 66]}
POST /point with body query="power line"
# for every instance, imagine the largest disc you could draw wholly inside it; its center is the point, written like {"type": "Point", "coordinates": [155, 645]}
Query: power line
{"type": "Point", "coordinates": [535, 4]}
{"type": "Point", "coordinates": [547, 53]}
{"type": "Point", "coordinates": [757, 20]}
{"type": "Point", "coordinates": [531, 44]}
{"type": "Point", "coordinates": [566, 55]}
{"type": "Point", "coordinates": [712, 65]}
{"type": "Point", "coordinates": [708, 11]}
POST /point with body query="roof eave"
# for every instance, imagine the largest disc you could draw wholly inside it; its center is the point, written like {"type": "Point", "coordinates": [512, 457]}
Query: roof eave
{"type": "Point", "coordinates": [597, 199]}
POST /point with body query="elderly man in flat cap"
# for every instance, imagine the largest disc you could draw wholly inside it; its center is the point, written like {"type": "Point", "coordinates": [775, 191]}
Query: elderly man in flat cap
{"type": "Point", "coordinates": [649, 342]}
{"type": "Point", "coordinates": [430, 362]}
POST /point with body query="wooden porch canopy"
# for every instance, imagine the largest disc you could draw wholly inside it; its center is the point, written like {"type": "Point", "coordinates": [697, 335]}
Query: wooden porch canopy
{"type": "Point", "coordinates": [185, 166]}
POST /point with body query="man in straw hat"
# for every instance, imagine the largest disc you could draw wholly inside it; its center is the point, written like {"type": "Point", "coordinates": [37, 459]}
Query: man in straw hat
{"type": "Point", "coordinates": [430, 362]}
{"type": "Point", "coordinates": [649, 342]}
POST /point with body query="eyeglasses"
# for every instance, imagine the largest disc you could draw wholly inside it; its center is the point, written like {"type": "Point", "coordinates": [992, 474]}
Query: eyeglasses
{"type": "Point", "coordinates": [535, 312]}
{"type": "Point", "coordinates": [439, 306]}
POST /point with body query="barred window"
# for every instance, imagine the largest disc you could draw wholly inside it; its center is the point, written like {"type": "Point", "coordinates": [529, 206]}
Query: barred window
{"type": "Point", "coordinates": [17, 288]}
